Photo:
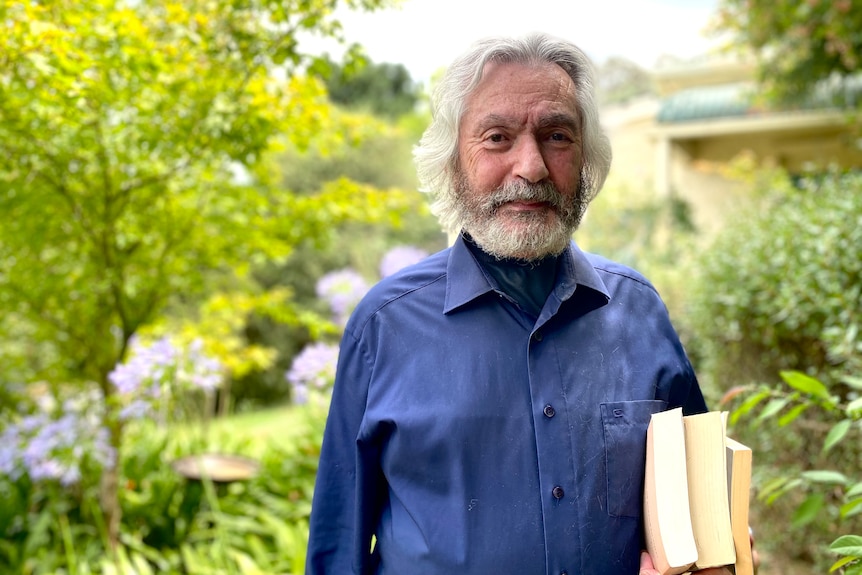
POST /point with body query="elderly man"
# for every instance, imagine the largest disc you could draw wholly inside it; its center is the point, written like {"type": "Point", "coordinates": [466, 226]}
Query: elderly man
{"type": "Point", "coordinates": [491, 402]}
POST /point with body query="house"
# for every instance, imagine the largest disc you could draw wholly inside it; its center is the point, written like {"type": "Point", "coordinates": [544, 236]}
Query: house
{"type": "Point", "coordinates": [705, 114]}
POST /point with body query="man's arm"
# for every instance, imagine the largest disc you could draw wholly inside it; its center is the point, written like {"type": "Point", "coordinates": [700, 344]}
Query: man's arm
{"type": "Point", "coordinates": [341, 524]}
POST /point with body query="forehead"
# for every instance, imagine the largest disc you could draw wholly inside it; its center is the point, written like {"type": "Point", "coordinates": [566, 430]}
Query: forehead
{"type": "Point", "coordinates": [521, 90]}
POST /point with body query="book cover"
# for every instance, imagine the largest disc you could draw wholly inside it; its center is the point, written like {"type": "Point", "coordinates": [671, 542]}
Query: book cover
{"type": "Point", "coordinates": [739, 462]}
{"type": "Point", "coordinates": [706, 468]}
{"type": "Point", "coordinates": [667, 520]}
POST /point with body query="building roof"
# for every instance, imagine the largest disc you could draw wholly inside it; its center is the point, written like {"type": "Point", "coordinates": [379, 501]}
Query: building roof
{"type": "Point", "coordinates": [706, 102]}
{"type": "Point", "coordinates": [739, 99]}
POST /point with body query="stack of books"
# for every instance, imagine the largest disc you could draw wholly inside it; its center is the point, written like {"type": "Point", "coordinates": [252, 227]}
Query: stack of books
{"type": "Point", "coordinates": [696, 494]}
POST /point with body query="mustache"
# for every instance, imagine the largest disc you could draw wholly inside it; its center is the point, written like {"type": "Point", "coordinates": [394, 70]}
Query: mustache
{"type": "Point", "coordinates": [544, 192]}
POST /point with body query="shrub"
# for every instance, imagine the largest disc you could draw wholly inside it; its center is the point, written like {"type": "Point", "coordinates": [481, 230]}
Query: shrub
{"type": "Point", "coordinates": [171, 524]}
{"type": "Point", "coordinates": [812, 502]}
{"type": "Point", "coordinates": [779, 292]}
{"type": "Point", "coordinates": [782, 285]}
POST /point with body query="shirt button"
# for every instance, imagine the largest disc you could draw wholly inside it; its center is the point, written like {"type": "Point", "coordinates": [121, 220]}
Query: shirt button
{"type": "Point", "coordinates": [558, 492]}
{"type": "Point", "coordinates": [538, 336]}
{"type": "Point", "coordinates": [549, 411]}
{"type": "Point", "coordinates": [564, 573]}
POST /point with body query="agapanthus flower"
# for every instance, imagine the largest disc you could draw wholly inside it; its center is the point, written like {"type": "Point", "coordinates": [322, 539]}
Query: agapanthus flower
{"type": "Point", "coordinates": [153, 373]}
{"type": "Point", "coordinates": [312, 368]}
{"type": "Point", "coordinates": [342, 290]}
{"type": "Point", "coordinates": [400, 257]}
{"type": "Point", "coordinates": [53, 449]}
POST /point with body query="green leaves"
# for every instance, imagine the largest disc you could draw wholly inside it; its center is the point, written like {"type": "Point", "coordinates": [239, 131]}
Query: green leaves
{"type": "Point", "coordinates": [806, 384]}
{"type": "Point", "coordinates": [797, 43]}
{"type": "Point", "coordinates": [124, 127]}
{"type": "Point", "coordinates": [130, 134]}
{"type": "Point", "coordinates": [780, 288]}
{"type": "Point", "coordinates": [836, 434]}
{"type": "Point", "coordinates": [808, 510]}
{"type": "Point", "coordinates": [850, 548]}
{"type": "Point", "coordinates": [831, 494]}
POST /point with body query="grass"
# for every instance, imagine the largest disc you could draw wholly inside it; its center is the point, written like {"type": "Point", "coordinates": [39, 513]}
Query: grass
{"type": "Point", "coordinates": [278, 422]}
{"type": "Point", "coordinates": [249, 433]}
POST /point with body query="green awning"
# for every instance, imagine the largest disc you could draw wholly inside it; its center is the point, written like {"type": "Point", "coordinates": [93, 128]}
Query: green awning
{"type": "Point", "coordinates": [735, 100]}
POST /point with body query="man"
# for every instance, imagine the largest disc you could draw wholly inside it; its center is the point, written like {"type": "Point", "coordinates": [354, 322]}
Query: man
{"type": "Point", "coordinates": [491, 402]}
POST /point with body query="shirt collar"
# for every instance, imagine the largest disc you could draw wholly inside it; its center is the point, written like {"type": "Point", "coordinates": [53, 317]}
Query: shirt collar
{"type": "Point", "coordinates": [465, 281]}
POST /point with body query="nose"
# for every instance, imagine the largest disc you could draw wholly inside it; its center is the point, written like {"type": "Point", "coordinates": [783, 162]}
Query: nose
{"type": "Point", "coordinates": [529, 162]}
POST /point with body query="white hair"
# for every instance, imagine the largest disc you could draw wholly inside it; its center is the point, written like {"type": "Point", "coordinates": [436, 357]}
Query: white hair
{"type": "Point", "coordinates": [436, 155]}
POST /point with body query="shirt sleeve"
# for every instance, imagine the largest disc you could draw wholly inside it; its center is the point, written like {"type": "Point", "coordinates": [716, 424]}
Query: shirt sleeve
{"type": "Point", "coordinates": [685, 391]}
{"type": "Point", "coordinates": [345, 504]}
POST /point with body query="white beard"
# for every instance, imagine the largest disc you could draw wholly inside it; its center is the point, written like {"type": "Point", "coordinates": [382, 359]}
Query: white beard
{"type": "Point", "coordinates": [529, 235]}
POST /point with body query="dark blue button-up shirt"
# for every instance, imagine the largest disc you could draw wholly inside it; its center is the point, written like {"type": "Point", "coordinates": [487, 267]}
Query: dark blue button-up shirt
{"type": "Point", "coordinates": [468, 437]}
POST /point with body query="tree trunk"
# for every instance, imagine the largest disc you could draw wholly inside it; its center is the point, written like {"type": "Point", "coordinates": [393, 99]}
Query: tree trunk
{"type": "Point", "coordinates": [109, 495]}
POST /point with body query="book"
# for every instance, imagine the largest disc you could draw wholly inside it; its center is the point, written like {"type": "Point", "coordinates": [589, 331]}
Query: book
{"type": "Point", "coordinates": [667, 520]}
{"type": "Point", "coordinates": [706, 468]}
{"type": "Point", "coordinates": [696, 487]}
{"type": "Point", "coordinates": [739, 461]}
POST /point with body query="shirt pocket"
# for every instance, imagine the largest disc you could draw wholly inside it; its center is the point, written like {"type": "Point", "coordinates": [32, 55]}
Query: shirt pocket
{"type": "Point", "coordinates": [624, 424]}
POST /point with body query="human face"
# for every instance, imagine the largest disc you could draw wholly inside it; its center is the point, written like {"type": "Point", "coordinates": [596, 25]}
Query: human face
{"type": "Point", "coordinates": [519, 152]}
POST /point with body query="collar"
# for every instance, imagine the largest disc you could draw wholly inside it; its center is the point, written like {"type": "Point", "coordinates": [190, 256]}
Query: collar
{"type": "Point", "coordinates": [466, 282]}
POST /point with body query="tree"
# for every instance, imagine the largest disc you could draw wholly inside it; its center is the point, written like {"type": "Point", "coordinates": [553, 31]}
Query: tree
{"type": "Point", "coordinates": [384, 89]}
{"type": "Point", "coordinates": [798, 44]}
{"type": "Point", "coordinates": [123, 127]}
{"type": "Point", "coordinates": [621, 80]}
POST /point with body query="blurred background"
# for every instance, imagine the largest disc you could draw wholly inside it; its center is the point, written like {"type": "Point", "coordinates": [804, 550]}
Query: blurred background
{"type": "Point", "coordinates": [195, 194]}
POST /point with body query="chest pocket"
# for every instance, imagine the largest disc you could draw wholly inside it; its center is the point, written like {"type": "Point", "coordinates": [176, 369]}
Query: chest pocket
{"type": "Point", "coordinates": [624, 424]}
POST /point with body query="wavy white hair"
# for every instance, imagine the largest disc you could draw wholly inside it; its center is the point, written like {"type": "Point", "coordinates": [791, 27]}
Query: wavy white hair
{"type": "Point", "coordinates": [436, 155]}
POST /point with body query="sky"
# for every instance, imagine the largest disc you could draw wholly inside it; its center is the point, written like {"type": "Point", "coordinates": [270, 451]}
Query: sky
{"type": "Point", "coordinates": [425, 35]}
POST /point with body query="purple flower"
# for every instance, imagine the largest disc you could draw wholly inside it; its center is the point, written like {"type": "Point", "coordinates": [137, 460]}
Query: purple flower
{"type": "Point", "coordinates": [103, 452]}
{"type": "Point", "coordinates": [154, 373]}
{"type": "Point", "coordinates": [400, 257]}
{"type": "Point", "coordinates": [161, 352]}
{"type": "Point", "coordinates": [127, 377]}
{"type": "Point", "coordinates": [137, 409]}
{"type": "Point", "coordinates": [55, 449]}
{"type": "Point", "coordinates": [342, 289]}
{"type": "Point", "coordinates": [9, 452]}
{"type": "Point", "coordinates": [313, 367]}
{"type": "Point", "coordinates": [300, 394]}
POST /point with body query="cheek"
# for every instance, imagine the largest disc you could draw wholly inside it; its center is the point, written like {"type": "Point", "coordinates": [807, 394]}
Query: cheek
{"type": "Point", "coordinates": [565, 173]}
{"type": "Point", "coordinates": [486, 173]}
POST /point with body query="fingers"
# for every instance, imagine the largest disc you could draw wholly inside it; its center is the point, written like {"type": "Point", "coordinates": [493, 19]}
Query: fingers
{"type": "Point", "coordinates": [647, 567]}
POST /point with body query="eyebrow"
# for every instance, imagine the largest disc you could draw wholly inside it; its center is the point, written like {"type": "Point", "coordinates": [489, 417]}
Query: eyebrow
{"type": "Point", "coordinates": [492, 120]}
{"type": "Point", "coordinates": [563, 120]}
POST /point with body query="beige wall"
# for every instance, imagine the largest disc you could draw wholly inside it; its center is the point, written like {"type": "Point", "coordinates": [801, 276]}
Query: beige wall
{"type": "Point", "coordinates": [686, 159]}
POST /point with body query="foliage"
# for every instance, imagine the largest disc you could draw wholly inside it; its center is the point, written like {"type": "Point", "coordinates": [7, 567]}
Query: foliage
{"type": "Point", "coordinates": [781, 288]}
{"type": "Point", "coordinates": [620, 80]}
{"type": "Point", "coordinates": [799, 44]}
{"type": "Point", "coordinates": [382, 89]}
{"type": "Point", "coordinates": [171, 525]}
{"type": "Point", "coordinates": [823, 486]}
{"type": "Point", "coordinates": [779, 292]}
{"type": "Point", "coordinates": [125, 128]}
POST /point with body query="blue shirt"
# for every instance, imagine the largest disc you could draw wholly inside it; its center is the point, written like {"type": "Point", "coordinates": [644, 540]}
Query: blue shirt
{"type": "Point", "coordinates": [466, 436]}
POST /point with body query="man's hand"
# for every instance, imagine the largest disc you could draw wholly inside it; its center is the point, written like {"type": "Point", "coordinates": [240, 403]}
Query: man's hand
{"type": "Point", "coordinates": [647, 568]}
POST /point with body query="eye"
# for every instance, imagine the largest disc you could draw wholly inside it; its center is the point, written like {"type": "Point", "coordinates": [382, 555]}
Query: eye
{"type": "Point", "coordinates": [496, 138]}
{"type": "Point", "coordinates": [559, 137]}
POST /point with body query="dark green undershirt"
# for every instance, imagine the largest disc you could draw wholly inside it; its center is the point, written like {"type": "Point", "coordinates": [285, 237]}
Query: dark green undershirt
{"type": "Point", "coordinates": [528, 283]}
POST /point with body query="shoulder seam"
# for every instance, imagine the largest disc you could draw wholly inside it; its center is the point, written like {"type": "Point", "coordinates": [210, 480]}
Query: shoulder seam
{"type": "Point", "coordinates": [643, 281]}
{"type": "Point", "coordinates": [389, 301]}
